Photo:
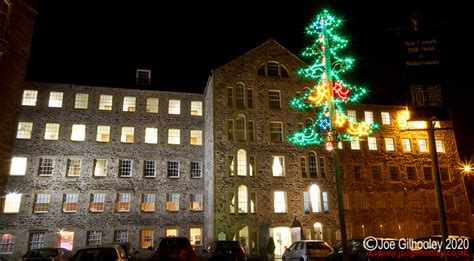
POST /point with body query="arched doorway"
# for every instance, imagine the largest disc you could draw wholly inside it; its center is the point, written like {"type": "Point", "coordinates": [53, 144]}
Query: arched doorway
{"type": "Point", "coordinates": [318, 231]}
{"type": "Point", "coordinates": [282, 238]}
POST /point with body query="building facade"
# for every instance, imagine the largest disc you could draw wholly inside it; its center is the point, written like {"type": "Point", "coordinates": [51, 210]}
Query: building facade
{"type": "Point", "coordinates": [94, 165]}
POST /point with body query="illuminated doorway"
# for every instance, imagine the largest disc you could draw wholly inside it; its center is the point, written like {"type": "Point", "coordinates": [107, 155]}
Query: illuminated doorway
{"type": "Point", "coordinates": [318, 231]}
{"type": "Point", "coordinates": [282, 238]}
{"type": "Point", "coordinates": [66, 239]}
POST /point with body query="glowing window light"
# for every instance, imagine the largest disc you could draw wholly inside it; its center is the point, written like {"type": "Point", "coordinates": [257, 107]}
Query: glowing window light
{"type": "Point", "coordinates": [241, 162]}
{"type": "Point", "coordinates": [278, 166]}
{"type": "Point", "coordinates": [151, 135]}
{"type": "Point", "coordinates": [78, 132]}
{"type": "Point", "coordinates": [315, 198]}
{"type": "Point", "coordinates": [279, 201]}
{"type": "Point", "coordinates": [18, 167]}
{"type": "Point", "coordinates": [12, 203]}
{"type": "Point", "coordinates": [243, 199]}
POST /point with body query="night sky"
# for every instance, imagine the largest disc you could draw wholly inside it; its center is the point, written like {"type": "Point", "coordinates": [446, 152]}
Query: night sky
{"type": "Point", "coordinates": [103, 42]}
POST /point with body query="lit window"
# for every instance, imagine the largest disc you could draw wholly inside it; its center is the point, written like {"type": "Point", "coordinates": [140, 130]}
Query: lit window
{"type": "Point", "coordinates": [151, 135]}
{"type": "Point", "coordinates": [66, 239]}
{"type": "Point", "coordinates": [339, 145]}
{"type": "Point", "coordinates": [385, 118]}
{"type": "Point", "coordinates": [29, 98]}
{"type": "Point", "coordinates": [55, 99]}
{"type": "Point", "coordinates": [174, 136]}
{"type": "Point", "coordinates": [143, 77]}
{"type": "Point", "coordinates": [315, 198]}
{"type": "Point", "coordinates": [253, 202]}
{"type": "Point", "coordinates": [78, 132]}
{"type": "Point", "coordinates": [389, 145]}
{"type": "Point", "coordinates": [152, 105]}
{"type": "Point", "coordinates": [105, 102]}
{"type": "Point", "coordinates": [51, 131]}
{"type": "Point", "coordinates": [70, 202]}
{"type": "Point", "coordinates": [174, 107]}
{"type": "Point", "coordinates": [252, 165]}
{"type": "Point", "coordinates": [171, 232]}
{"type": "Point", "coordinates": [402, 118]}
{"type": "Point", "coordinates": [82, 100]}
{"type": "Point", "coordinates": [196, 137]}
{"type": "Point", "coordinates": [12, 203]}
{"type": "Point", "coordinates": [128, 135]}
{"type": "Point", "coordinates": [195, 235]}
{"type": "Point", "coordinates": [148, 203]}
{"type": "Point", "coordinates": [97, 202]}
{"type": "Point", "coordinates": [24, 130]}
{"type": "Point", "coordinates": [406, 144]}
{"type": "Point", "coordinates": [279, 201]}
{"type": "Point", "coordinates": [7, 241]}
{"type": "Point", "coordinates": [149, 168]}
{"type": "Point", "coordinates": [146, 238]}
{"type": "Point", "coordinates": [36, 240]}
{"type": "Point", "coordinates": [325, 202]}
{"type": "Point", "coordinates": [243, 199]}
{"type": "Point", "coordinates": [103, 133]}
{"type": "Point", "coordinates": [439, 146]}
{"type": "Point", "coordinates": [352, 115]}
{"type": "Point", "coordinates": [276, 131]}
{"type": "Point", "coordinates": [278, 166]}
{"type": "Point", "coordinates": [195, 203]}
{"type": "Point", "coordinates": [94, 238]}
{"type": "Point", "coordinates": [41, 203]}
{"type": "Point", "coordinates": [125, 168]}
{"type": "Point", "coordinates": [121, 236]}
{"type": "Point", "coordinates": [274, 99]}
{"type": "Point", "coordinates": [231, 198]}
{"type": "Point", "coordinates": [173, 169]}
{"type": "Point", "coordinates": [369, 117]}
{"type": "Point", "coordinates": [100, 168]}
{"type": "Point", "coordinates": [46, 167]}
{"type": "Point", "coordinates": [172, 202]}
{"type": "Point", "coordinates": [241, 162]}
{"type": "Point", "coordinates": [372, 141]}
{"type": "Point", "coordinates": [196, 169]}
{"type": "Point", "coordinates": [196, 108]}
{"type": "Point", "coordinates": [355, 145]}
{"type": "Point", "coordinates": [422, 144]}
{"type": "Point", "coordinates": [129, 103]}
{"type": "Point", "coordinates": [18, 167]}
{"type": "Point", "coordinates": [123, 202]}
{"type": "Point", "coordinates": [73, 167]}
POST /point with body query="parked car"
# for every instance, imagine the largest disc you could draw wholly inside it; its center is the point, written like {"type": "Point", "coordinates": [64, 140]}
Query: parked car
{"type": "Point", "coordinates": [43, 254]}
{"type": "Point", "coordinates": [225, 250]}
{"type": "Point", "coordinates": [461, 243]}
{"type": "Point", "coordinates": [174, 248]}
{"type": "Point", "coordinates": [112, 252]}
{"type": "Point", "coordinates": [307, 250]}
{"type": "Point", "coordinates": [357, 252]}
{"type": "Point", "coordinates": [128, 248]}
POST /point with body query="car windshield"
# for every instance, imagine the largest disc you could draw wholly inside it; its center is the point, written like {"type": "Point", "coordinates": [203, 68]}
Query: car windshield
{"type": "Point", "coordinates": [316, 245]}
{"type": "Point", "coordinates": [96, 254]}
{"type": "Point", "coordinates": [228, 245]}
{"type": "Point", "coordinates": [174, 243]}
{"type": "Point", "coordinates": [44, 253]}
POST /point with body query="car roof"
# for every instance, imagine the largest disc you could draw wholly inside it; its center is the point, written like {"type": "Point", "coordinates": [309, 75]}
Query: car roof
{"type": "Point", "coordinates": [102, 246]}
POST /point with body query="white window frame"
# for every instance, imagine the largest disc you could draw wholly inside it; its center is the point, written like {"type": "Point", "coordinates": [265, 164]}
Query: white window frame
{"type": "Point", "coordinates": [274, 99]}
{"type": "Point", "coordinates": [389, 144]}
{"type": "Point", "coordinates": [385, 118]}
{"type": "Point", "coordinates": [278, 171]}
{"type": "Point", "coordinates": [173, 169]}
{"type": "Point", "coordinates": [174, 106]}
{"type": "Point", "coordinates": [439, 146]}
{"type": "Point", "coordinates": [196, 108]}
{"type": "Point", "coordinates": [355, 143]}
{"type": "Point", "coordinates": [125, 168]}
{"type": "Point", "coordinates": [94, 238]}
{"type": "Point", "coordinates": [149, 168]}
{"type": "Point", "coordinates": [123, 202]}
{"type": "Point", "coordinates": [127, 134]}
{"type": "Point", "coordinates": [51, 131]}
{"type": "Point", "coordinates": [195, 137]}
{"type": "Point", "coordinates": [276, 131]}
{"type": "Point", "coordinates": [423, 145]}
{"type": "Point", "coordinates": [81, 101]}
{"type": "Point", "coordinates": [98, 168]}
{"type": "Point", "coordinates": [78, 132]}
{"type": "Point", "coordinates": [196, 169]}
{"type": "Point", "coordinates": [25, 130]}
{"type": "Point", "coordinates": [372, 143]}
{"type": "Point", "coordinates": [97, 203]}
{"type": "Point", "coordinates": [41, 203]}
{"type": "Point", "coordinates": [129, 104]}
{"type": "Point", "coordinates": [148, 202]}
{"type": "Point", "coordinates": [369, 117]}
{"type": "Point", "coordinates": [352, 115]}
{"type": "Point", "coordinates": [152, 105]}
{"type": "Point", "coordinates": [106, 102]}
{"type": "Point", "coordinates": [29, 98]}
{"type": "Point", "coordinates": [73, 167]}
{"type": "Point", "coordinates": [195, 236]}
{"type": "Point", "coordinates": [55, 99]}
{"type": "Point", "coordinates": [406, 144]}
{"type": "Point", "coordinates": [103, 133]}
{"type": "Point", "coordinates": [70, 202]}
{"type": "Point", "coordinates": [46, 169]}
{"type": "Point", "coordinates": [174, 136]}
{"type": "Point", "coordinates": [12, 203]}
{"type": "Point", "coordinates": [7, 243]}
{"type": "Point", "coordinates": [172, 202]}
{"type": "Point", "coordinates": [196, 202]}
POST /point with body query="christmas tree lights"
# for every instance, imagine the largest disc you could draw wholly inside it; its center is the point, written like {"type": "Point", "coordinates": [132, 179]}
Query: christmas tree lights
{"type": "Point", "coordinates": [330, 93]}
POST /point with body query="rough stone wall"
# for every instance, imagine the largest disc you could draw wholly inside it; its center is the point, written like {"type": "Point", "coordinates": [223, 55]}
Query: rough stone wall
{"type": "Point", "coordinates": [88, 150]}
{"type": "Point", "coordinates": [209, 160]}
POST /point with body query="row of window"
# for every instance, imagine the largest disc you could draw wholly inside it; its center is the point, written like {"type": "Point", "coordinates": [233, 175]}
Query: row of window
{"type": "Point", "coordinates": [123, 202]}
{"type": "Point", "coordinates": [101, 169]}
{"type": "Point", "coordinates": [390, 144]}
{"type": "Point", "coordinates": [394, 173]}
{"type": "Point", "coordinates": [30, 98]}
{"type": "Point", "coordinates": [103, 133]}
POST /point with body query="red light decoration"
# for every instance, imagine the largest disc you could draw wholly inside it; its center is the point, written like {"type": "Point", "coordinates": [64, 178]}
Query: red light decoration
{"type": "Point", "coordinates": [339, 91]}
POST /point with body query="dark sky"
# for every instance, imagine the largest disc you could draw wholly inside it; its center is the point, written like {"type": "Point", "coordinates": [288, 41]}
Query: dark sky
{"type": "Point", "coordinates": [103, 42]}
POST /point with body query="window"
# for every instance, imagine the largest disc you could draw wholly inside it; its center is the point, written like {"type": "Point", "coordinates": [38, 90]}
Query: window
{"type": "Point", "coordinates": [279, 201]}
{"type": "Point", "coordinates": [278, 166]}
{"type": "Point", "coordinates": [73, 167]}
{"type": "Point", "coordinates": [125, 168]}
{"type": "Point", "coordinates": [103, 133]}
{"type": "Point", "coordinates": [172, 202]}
{"type": "Point", "coordinates": [41, 203]}
{"type": "Point", "coordinates": [148, 202]}
{"type": "Point", "coordinates": [66, 239]}
{"type": "Point", "coordinates": [82, 100]}
{"type": "Point", "coordinates": [411, 173]}
{"type": "Point", "coordinates": [252, 165]}
{"type": "Point", "coordinates": [174, 136]}
{"type": "Point", "coordinates": [171, 232]}
{"type": "Point", "coordinates": [422, 144]}
{"type": "Point", "coordinates": [276, 131]}
{"type": "Point", "coordinates": [313, 166]}
{"type": "Point", "coordinates": [196, 108]}
{"type": "Point", "coordinates": [274, 99]}
{"type": "Point", "coordinates": [151, 135]}
{"type": "Point", "coordinates": [18, 167]}
{"type": "Point", "coordinates": [36, 240]}
{"type": "Point", "coordinates": [406, 144]}
{"type": "Point", "coordinates": [29, 98]}
{"type": "Point", "coordinates": [351, 114]}
{"type": "Point", "coordinates": [241, 162]}
{"type": "Point", "coordinates": [253, 202]}
{"type": "Point", "coordinates": [195, 234]}
{"type": "Point", "coordinates": [149, 168]}
{"type": "Point", "coordinates": [105, 102]}
{"type": "Point", "coordinates": [173, 169]}
{"type": "Point", "coordinates": [355, 145]}
{"type": "Point", "coordinates": [195, 137]}
{"type": "Point", "coordinates": [152, 105]}
{"type": "Point", "coordinates": [251, 133]}
{"type": "Point", "coordinates": [439, 146]}
{"type": "Point", "coordinates": [369, 117]}
{"type": "Point", "coordinates": [444, 173]}
{"type": "Point", "coordinates": [385, 118]}
{"type": "Point", "coordinates": [230, 165]}
{"type": "Point", "coordinates": [46, 167]}
{"type": "Point", "coordinates": [398, 200]}
{"type": "Point", "coordinates": [94, 238]}
{"type": "Point", "coordinates": [243, 199]}
{"type": "Point", "coordinates": [372, 142]}
{"type": "Point", "coordinates": [240, 128]}
{"type": "Point", "coordinates": [24, 130]}
{"type": "Point", "coordinates": [78, 132]}
{"type": "Point", "coordinates": [322, 167]}
{"type": "Point", "coordinates": [51, 131]}
{"type": "Point", "coordinates": [325, 202]}
{"type": "Point", "coordinates": [427, 174]}
{"type": "Point", "coordinates": [239, 96]}
{"type": "Point", "coordinates": [70, 202]}
{"type": "Point", "coordinates": [303, 166]}
{"type": "Point", "coordinates": [389, 145]}
{"type": "Point", "coordinates": [121, 236]}
{"type": "Point", "coordinates": [249, 98]}
{"type": "Point", "coordinates": [196, 201]}
{"type": "Point", "coordinates": [123, 202]}
{"type": "Point", "coordinates": [146, 238]}
{"type": "Point", "coordinates": [97, 202]}
{"type": "Point", "coordinates": [129, 103]}
{"type": "Point", "coordinates": [358, 172]}
{"type": "Point", "coordinates": [230, 129]}
{"type": "Point", "coordinates": [273, 69]}
{"type": "Point", "coordinates": [315, 198]}
{"type": "Point", "coordinates": [100, 168]}
{"type": "Point", "coordinates": [394, 173]}
{"type": "Point", "coordinates": [231, 198]}
{"type": "Point", "coordinates": [143, 77]}
{"type": "Point", "coordinates": [174, 106]}
{"type": "Point", "coordinates": [128, 135]}
{"type": "Point", "coordinates": [12, 203]}
{"type": "Point", "coordinates": [7, 241]}
{"type": "Point", "coordinates": [196, 169]}
{"type": "Point", "coordinates": [449, 202]}
{"type": "Point", "coordinates": [55, 99]}
{"type": "Point", "coordinates": [376, 172]}
{"type": "Point", "coordinates": [230, 97]}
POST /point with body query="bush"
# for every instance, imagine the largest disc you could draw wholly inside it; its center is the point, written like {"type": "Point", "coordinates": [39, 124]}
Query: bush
{"type": "Point", "coordinates": [270, 246]}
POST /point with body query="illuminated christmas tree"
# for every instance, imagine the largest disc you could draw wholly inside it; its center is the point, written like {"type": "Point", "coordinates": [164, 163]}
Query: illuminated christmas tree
{"type": "Point", "coordinates": [330, 93]}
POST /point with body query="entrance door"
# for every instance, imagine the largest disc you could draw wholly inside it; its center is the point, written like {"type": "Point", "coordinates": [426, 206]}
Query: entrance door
{"type": "Point", "coordinates": [318, 231]}
{"type": "Point", "coordinates": [282, 238]}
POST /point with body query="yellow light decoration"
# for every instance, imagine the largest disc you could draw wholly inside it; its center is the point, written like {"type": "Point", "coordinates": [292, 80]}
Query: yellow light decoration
{"type": "Point", "coordinates": [360, 129]}
{"type": "Point", "coordinates": [320, 94]}
{"type": "Point", "coordinates": [340, 119]}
